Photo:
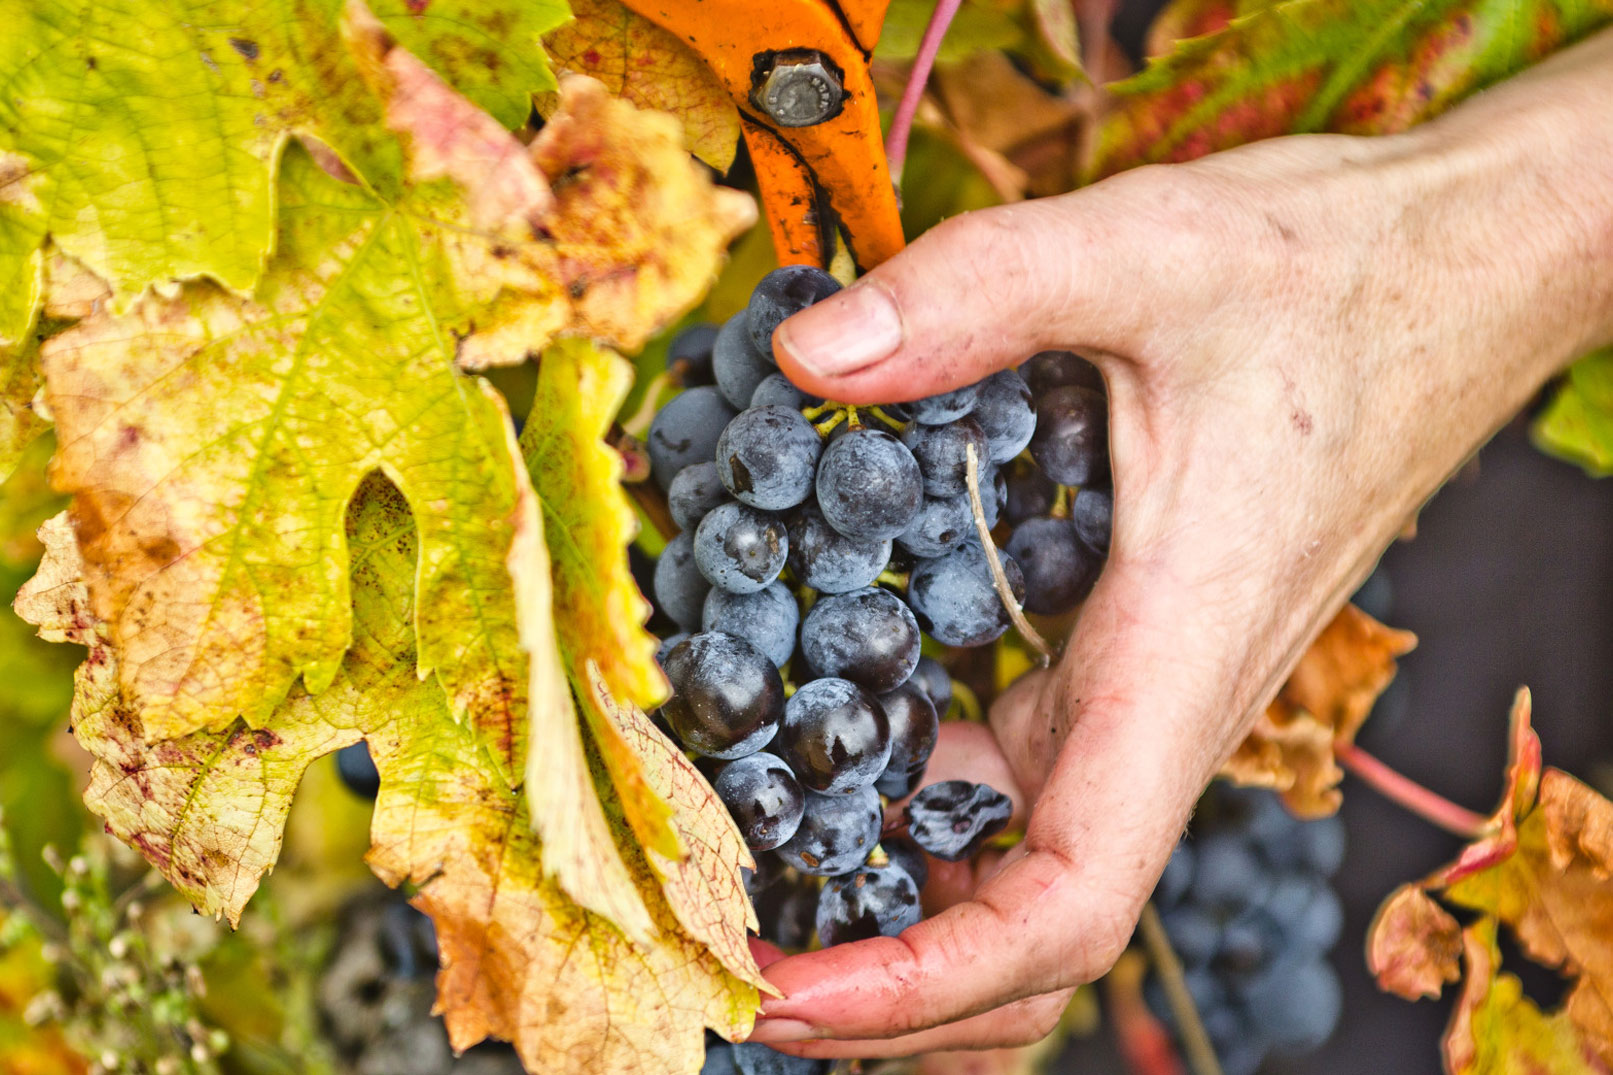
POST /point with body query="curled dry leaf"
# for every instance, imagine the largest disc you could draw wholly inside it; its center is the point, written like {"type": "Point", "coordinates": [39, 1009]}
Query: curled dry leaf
{"type": "Point", "coordinates": [1326, 700]}
{"type": "Point", "coordinates": [638, 60]}
{"type": "Point", "coordinates": [520, 959]}
{"type": "Point", "coordinates": [1414, 946]}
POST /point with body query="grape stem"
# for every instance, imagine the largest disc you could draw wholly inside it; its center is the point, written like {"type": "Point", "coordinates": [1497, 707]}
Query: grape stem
{"type": "Point", "coordinates": [1004, 592]}
{"type": "Point", "coordinates": [1404, 791]}
{"type": "Point", "coordinates": [1195, 1042]}
{"type": "Point", "coordinates": [913, 92]}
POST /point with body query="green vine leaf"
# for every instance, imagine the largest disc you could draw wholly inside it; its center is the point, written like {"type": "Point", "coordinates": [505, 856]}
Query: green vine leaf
{"type": "Point", "coordinates": [152, 131]}
{"type": "Point", "coordinates": [1578, 423]}
{"type": "Point", "coordinates": [1347, 66]}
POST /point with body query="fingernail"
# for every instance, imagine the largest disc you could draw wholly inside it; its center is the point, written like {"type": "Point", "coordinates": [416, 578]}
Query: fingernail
{"type": "Point", "coordinates": [853, 330]}
{"type": "Point", "coordinates": [777, 1031]}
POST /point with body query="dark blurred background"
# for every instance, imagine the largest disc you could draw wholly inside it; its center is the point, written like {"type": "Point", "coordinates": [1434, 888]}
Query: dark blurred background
{"type": "Point", "coordinates": [1509, 582]}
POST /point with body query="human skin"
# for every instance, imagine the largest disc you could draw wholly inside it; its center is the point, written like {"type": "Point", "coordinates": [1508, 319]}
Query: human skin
{"type": "Point", "coordinates": [1302, 339]}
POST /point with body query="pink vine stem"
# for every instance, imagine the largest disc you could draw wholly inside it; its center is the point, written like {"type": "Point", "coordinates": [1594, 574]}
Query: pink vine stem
{"type": "Point", "coordinates": [913, 92]}
{"type": "Point", "coordinates": [1399, 788]}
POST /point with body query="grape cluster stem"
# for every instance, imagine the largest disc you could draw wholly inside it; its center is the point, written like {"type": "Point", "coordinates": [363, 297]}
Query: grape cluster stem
{"type": "Point", "coordinates": [1016, 615]}
{"type": "Point", "coordinates": [1195, 1042]}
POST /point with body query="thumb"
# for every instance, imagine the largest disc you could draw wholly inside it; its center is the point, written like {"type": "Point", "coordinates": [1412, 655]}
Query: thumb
{"type": "Point", "coordinates": [980, 292]}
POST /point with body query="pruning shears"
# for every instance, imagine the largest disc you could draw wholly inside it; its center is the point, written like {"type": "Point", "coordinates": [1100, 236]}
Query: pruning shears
{"type": "Point", "coordinates": [798, 72]}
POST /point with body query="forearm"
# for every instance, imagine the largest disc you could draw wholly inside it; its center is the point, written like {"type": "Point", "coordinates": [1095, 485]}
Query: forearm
{"type": "Point", "coordinates": [1522, 175]}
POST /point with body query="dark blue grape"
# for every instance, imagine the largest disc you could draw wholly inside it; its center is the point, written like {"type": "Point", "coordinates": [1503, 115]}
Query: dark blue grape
{"type": "Point", "coordinates": [837, 832]}
{"type": "Point", "coordinates": [1071, 444]}
{"type": "Point", "coordinates": [782, 292]}
{"type": "Point", "coordinates": [357, 770]}
{"type": "Point", "coordinates": [1249, 943]}
{"type": "Point", "coordinates": [680, 588]}
{"type": "Point", "coordinates": [668, 644]}
{"type": "Point", "coordinates": [940, 451]}
{"type": "Point", "coordinates": [903, 852]}
{"type": "Point", "coordinates": [1092, 516]}
{"type": "Point", "coordinates": [1030, 493]}
{"type": "Point", "coordinates": [1295, 1004]}
{"type": "Point", "coordinates": [869, 485]}
{"type": "Point", "coordinates": [868, 636]}
{"type": "Point", "coordinates": [740, 548]}
{"type": "Point", "coordinates": [953, 819]}
{"type": "Point", "coordinates": [719, 1057]}
{"type": "Point", "coordinates": [1195, 933]}
{"type": "Point", "coordinates": [1227, 875]}
{"type": "Point", "coordinates": [1178, 875]}
{"type": "Point", "coordinates": [754, 1058]}
{"type": "Point", "coordinates": [787, 916]}
{"type": "Point", "coordinates": [408, 940]}
{"type": "Point", "coordinates": [954, 599]}
{"type": "Point", "coordinates": [932, 677]}
{"type": "Point", "coordinates": [1006, 413]}
{"type": "Point", "coordinates": [768, 457]}
{"type": "Point", "coordinates": [738, 366]}
{"type": "Point", "coordinates": [875, 901]}
{"type": "Point", "coordinates": [767, 619]}
{"type": "Point", "coordinates": [914, 728]}
{"type": "Point", "coordinates": [827, 560]}
{"type": "Point", "coordinates": [944, 407]}
{"type": "Point", "coordinates": [685, 432]}
{"type": "Point", "coordinates": [1059, 571]}
{"type": "Point", "coordinates": [1308, 911]}
{"type": "Point", "coordinates": [694, 492]}
{"type": "Point", "coordinates": [768, 875]}
{"type": "Point", "coordinates": [764, 798]}
{"type": "Point", "coordinates": [835, 736]}
{"type": "Point", "coordinates": [1047, 370]}
{"type": "Point", "coordinates": [689, 354]}
{"type": "Point", "coordinates": [727, 698]}
{"type": "Point", "coordinates": [777, 389]}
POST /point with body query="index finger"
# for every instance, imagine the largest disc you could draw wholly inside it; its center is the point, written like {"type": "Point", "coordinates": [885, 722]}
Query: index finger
{"type": "Point", "coordinates": [1127, 774]}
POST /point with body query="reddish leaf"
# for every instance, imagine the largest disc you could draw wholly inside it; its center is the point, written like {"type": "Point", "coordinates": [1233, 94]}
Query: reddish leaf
{"type": "Point", "coordinates": [1414, 946]}
{"type": "Point", "coordinates": [1352, 66]}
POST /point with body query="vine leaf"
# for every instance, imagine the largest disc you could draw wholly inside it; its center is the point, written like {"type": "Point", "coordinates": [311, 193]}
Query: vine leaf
{"type": "Point", "coordinates": [1327, 698]}
{"type": "Point", "coordinates": [208, 809]}
{"type": "Point", "coordinates": [213, 441]}
{"type": "Point", "coordinates": [1414, 946]}
{"type": "Point", "coordinates": [1496, 1028]}
{"type": "Point", "coordinates": [1578, 423]}
{"type": "Point", "coordinates": [1347, 66]}
{"type": "Point", "coordinates": [638, 60]}
{"type": "Point", "coordinates": [1544, 867]}
{"type": "Point", "coordinates": [599, 612]}
{"type": "Point", "coordinates": [152, 131]}
{"type": "Point", "coordinates": [704, 887]}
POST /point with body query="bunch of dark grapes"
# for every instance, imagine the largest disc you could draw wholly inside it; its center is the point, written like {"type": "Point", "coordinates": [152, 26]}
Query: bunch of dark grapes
{"type": "Point", "coordinates": [1249, 910]}
{"type": "Point", "coordinates": [818, 544]}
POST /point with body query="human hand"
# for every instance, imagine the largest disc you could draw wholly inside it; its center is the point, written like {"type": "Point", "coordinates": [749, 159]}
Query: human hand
{"type": "Point", "coordinates": [1301, 339]}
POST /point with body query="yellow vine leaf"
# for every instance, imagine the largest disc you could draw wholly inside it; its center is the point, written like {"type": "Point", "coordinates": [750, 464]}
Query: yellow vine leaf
{"type": "Point", "coordinates": [520, 959]}
{"type": "Point", "coordinates": [212, 441]}
{"type": "Point", "coordinates": [649, 66]}
{"type": "Point", "coordinates": [703, 886]}
{"type": "Point", "coordinates": [1496, 1030]}
{"type": "Point", "coordinates": [152, 131]}
{"type": "Point", "coordinates": [600, 613]}
{"type": "Point", "coordinates": [1326, 700]}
